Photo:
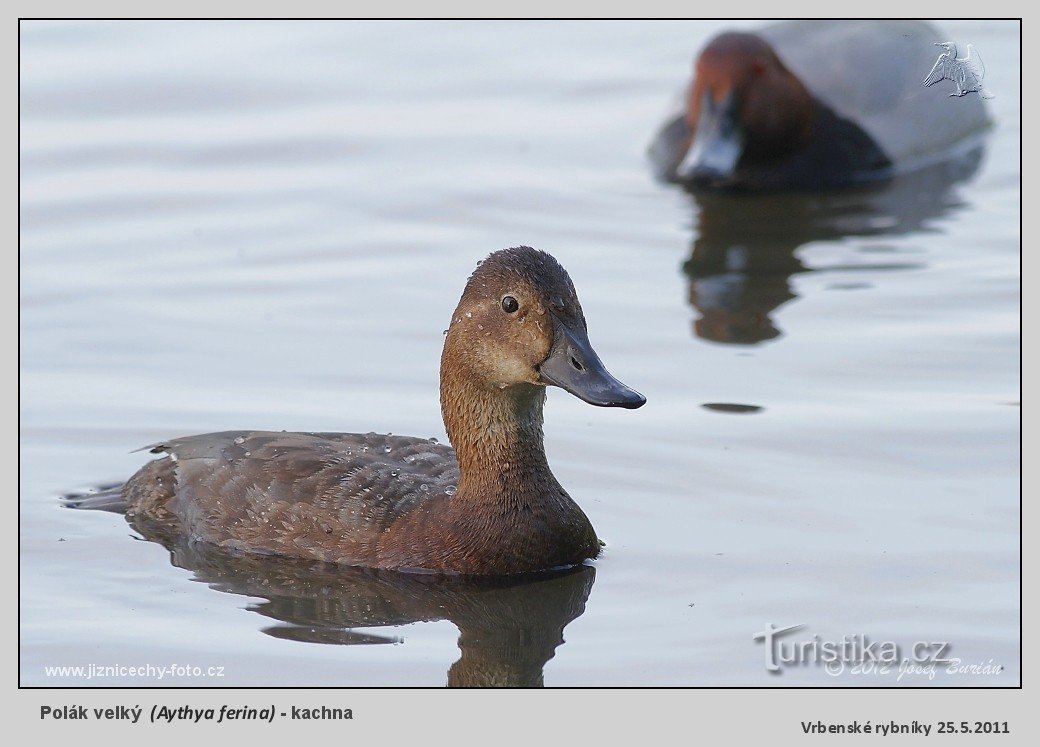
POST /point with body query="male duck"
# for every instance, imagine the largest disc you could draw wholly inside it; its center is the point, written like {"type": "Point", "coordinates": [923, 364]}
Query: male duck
{"type": "Point", "coordinates": [814, 105]}
{"type": "Point", "coordinates": [489, 506]}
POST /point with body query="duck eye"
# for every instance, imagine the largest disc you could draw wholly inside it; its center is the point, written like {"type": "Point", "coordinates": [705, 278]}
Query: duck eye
{"type": "Point", "coordinates": [510, 304]}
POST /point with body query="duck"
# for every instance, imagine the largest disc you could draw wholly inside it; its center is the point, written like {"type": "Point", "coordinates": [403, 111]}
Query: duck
{"type": "Point", "coordinates": [487, 505]}
{"type": "Point", "coordinates": [814, 105]}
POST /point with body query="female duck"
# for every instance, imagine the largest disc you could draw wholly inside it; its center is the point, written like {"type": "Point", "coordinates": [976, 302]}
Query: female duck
{"type": "Point", "coordinates": [815, 105]}
{"type": "Point", "coordinates": [489, 506]}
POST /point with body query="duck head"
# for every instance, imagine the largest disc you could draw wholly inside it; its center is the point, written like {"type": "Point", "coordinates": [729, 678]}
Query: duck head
{"type": "Point", "coordinates": [519, 325]}
{"type": "Point", "coordinates": [743, 107]}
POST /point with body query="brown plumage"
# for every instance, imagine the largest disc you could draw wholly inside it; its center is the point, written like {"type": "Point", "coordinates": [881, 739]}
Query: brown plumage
{"type": "Point", "coordinates": [775, 109]}
{"type": "Point", "coordinates": [491, 505]}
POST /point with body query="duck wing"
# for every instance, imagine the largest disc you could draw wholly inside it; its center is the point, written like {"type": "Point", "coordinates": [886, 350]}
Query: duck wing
{"type": "Point", "coordinates": [323, 496]}
{"type": "Point", "coordinates": [973, 64]}
{"type": "Point", "coordinates": [939, 71]}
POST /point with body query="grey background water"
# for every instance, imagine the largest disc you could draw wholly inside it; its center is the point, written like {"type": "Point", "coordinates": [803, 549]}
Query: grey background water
{"type": "Point", "coordinates": [267, 225]}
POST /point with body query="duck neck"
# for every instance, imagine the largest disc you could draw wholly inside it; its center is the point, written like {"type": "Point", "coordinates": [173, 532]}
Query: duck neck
{"type": "Point", "coordinates": [497, 435]}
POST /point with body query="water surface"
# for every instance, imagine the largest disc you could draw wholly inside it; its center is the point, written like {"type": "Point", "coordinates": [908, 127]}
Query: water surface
{"type": "Point", "coordinates": [267, 225]}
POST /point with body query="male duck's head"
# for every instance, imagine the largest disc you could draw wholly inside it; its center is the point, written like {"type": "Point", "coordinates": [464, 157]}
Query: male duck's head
{"type": "Point", "coordinates": [743, 107]}
{"type": "Point", "coordinates": [519, 323]}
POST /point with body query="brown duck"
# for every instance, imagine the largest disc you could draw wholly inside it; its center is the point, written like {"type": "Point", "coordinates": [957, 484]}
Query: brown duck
{"type": "Point", "coordinates": [490, 505]}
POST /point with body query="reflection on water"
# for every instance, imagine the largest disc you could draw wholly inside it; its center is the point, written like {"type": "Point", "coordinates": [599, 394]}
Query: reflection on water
{"type": "Point", "coordinates": [509, 627]}
{"type": "Point", "coordinates": [743, 257]}
{"type": "Point", "coordinates": [731, 407]}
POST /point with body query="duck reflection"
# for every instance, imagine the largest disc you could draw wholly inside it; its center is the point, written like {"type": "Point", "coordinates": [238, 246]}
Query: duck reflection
{"type": "Point", "coordinates": [744, 253]}
{"type": "Point", "coordinates": [509, 626]}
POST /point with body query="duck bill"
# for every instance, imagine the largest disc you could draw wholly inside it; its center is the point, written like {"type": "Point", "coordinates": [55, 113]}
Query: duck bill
{"type": "Point", "coordinates": [717, 142]}
{"type": "Point", "coordinates": [574, 366]}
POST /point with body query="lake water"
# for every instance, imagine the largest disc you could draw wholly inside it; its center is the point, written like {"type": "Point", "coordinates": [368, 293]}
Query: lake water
{"type": "Point", "coordinates": [267, 225]}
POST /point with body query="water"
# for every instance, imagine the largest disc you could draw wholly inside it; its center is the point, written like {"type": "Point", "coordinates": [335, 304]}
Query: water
{"type": "Point", "coordinates": [260, 225]}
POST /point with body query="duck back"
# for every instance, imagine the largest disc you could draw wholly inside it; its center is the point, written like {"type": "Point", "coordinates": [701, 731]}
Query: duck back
{"type": "Point", "coordinates": [872, 73]}
{"type": "Point", "coordinates": [324, 496]}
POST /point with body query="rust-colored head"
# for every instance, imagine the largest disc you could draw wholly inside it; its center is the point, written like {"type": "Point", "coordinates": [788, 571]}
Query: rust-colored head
{"type": "Point", "coordinates": [743, 106]}
{"type": "Point", "coordinates": [519, 323]}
